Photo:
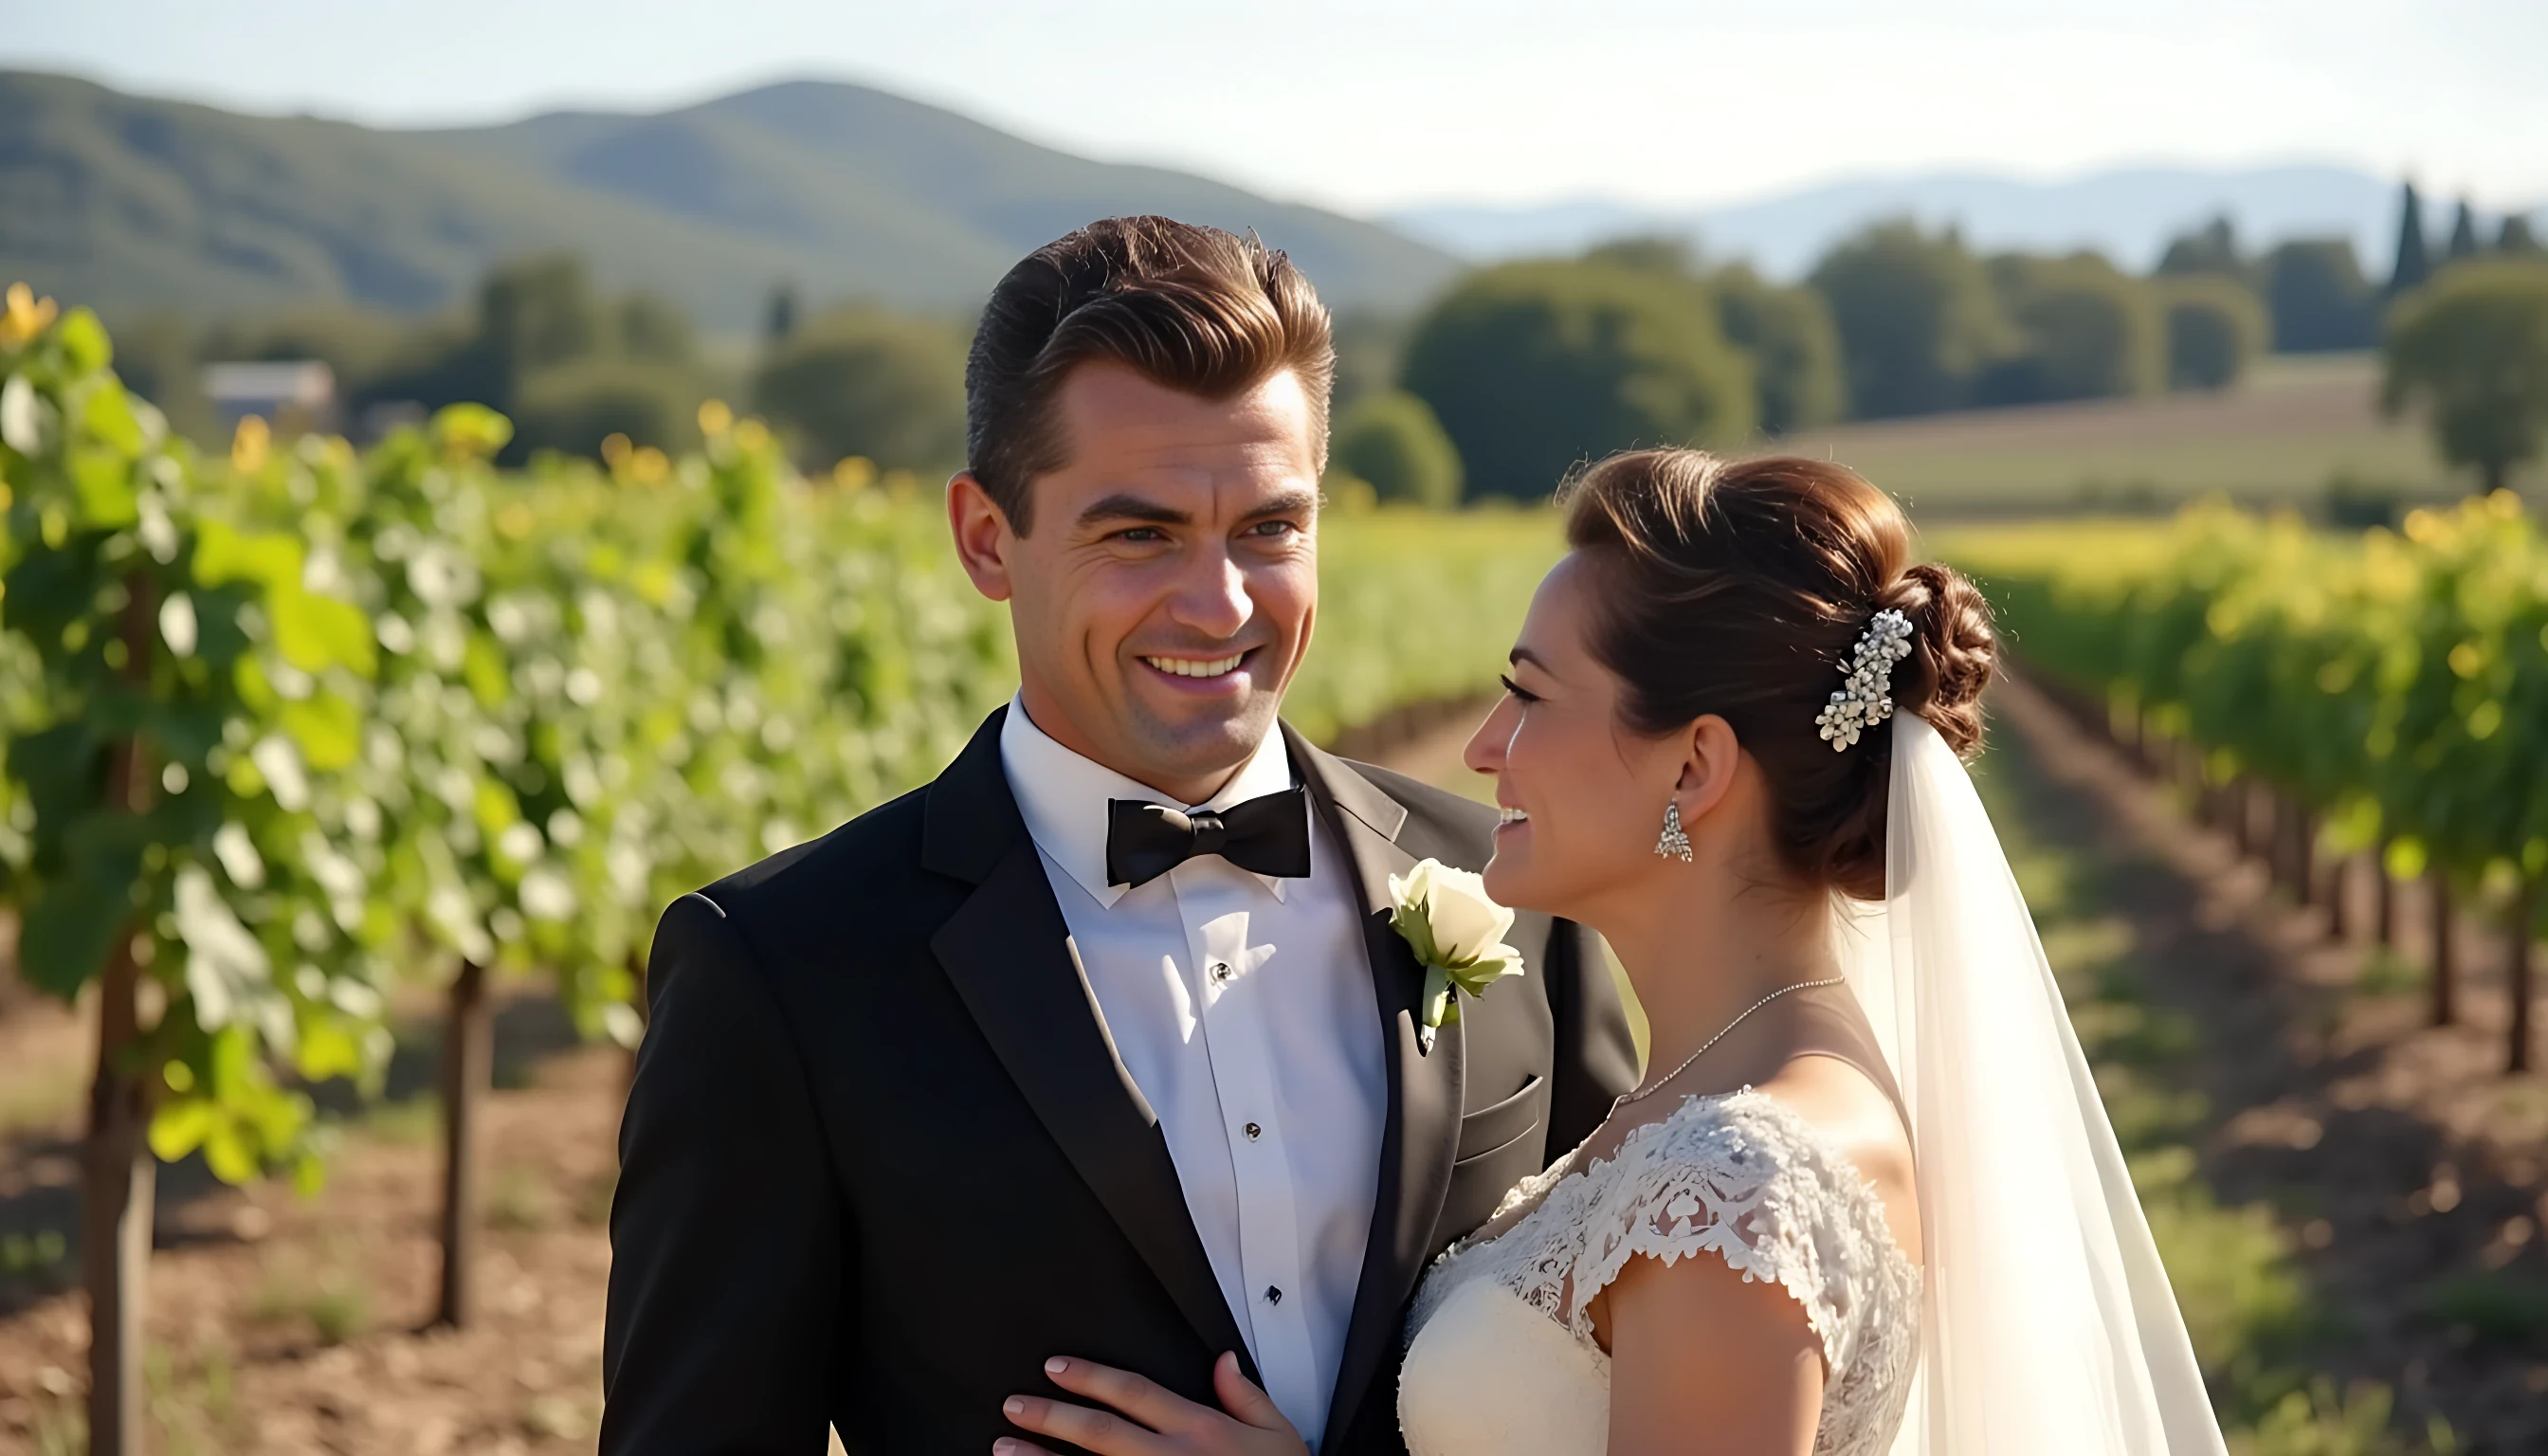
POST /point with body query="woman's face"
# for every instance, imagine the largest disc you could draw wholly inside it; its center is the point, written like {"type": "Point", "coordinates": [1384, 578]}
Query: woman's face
{"type": "Point", "coordinates": [1583, 796]}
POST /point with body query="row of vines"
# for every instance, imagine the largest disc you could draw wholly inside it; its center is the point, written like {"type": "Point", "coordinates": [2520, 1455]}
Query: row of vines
{"type": "Point", "coordinates": [286, 729]}
{"type": "Point", "coordinates": [2384, 695]}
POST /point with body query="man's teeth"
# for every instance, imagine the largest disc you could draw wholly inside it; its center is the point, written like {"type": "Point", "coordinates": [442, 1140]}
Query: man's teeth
{"type": "Point", "coordinates": [1188, 667]}
{"type": "Point", "coordinates": [1515, 816]}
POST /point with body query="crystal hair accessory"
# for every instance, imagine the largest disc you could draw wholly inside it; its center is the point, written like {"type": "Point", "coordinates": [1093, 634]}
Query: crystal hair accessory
{"type": "Point", "coordinates": [1866, 698]}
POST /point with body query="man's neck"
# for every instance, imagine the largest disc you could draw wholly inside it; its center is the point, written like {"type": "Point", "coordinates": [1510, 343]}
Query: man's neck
{"type": "Point", "coordinates": [1055, 724]}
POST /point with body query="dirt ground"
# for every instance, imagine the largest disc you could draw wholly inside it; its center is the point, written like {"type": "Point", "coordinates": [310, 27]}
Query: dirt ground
{"type": "Point", "coordinates": [285, 1324]}
{"type": "Point", "coordinates": [2409, 1172]}
{"type": "Point", "coordinates": [2406, 1168]}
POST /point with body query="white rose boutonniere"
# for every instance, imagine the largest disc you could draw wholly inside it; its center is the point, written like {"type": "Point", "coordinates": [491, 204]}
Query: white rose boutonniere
{"type": "Point", "coordinates": [1457, 934]}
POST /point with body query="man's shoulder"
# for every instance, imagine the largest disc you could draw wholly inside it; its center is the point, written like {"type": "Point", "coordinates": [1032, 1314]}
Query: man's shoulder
{"type": "Point", "coordinates": [873, 853]}
{"type": "Point", "coordinates": [1437, 818]}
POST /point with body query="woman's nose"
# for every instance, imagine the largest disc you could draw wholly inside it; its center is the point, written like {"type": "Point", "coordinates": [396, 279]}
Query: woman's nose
{"type": "Point", "coordinates": [1486, 751]}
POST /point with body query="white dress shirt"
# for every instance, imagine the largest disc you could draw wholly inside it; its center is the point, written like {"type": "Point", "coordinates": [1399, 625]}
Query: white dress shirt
{"type": "Point", "coordinates": [1243, 1007]}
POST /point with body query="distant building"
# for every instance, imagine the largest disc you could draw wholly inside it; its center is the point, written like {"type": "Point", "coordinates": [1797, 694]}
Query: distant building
{"type": "Point", "coordinates": [294, 396]}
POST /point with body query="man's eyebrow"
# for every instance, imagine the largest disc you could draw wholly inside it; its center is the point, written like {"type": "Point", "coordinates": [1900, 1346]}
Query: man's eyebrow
{"type": "Point", "coordinates": [1285, 503]}
{"type": "Point", "coordinates": [1125, 506]}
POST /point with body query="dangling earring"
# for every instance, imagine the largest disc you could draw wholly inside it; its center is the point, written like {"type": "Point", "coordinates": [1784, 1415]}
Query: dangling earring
{"type": "Point", "coordinates": [1675, 843]}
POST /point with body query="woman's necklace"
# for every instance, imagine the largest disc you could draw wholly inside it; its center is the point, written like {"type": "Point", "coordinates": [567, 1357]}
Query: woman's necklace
{"type": "Point", "coordinates": [1657, 1084]}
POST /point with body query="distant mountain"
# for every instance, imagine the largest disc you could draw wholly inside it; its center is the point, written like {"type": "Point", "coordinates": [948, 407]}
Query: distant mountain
{"type": "Point", "coordinates": [134, 203]}
{"type": "Point", "coordinates": [2128, 215]}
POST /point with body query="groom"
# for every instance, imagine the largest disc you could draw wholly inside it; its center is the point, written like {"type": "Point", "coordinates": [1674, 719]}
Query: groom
{"type": "Point", "coordinates": [1101, 1044]}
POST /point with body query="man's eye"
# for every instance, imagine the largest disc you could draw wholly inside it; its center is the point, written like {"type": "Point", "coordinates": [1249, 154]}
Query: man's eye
{"type": "Point", "coordinates": [1141, 535]}
{"type": "Point", "coordinates": [1273, 528]}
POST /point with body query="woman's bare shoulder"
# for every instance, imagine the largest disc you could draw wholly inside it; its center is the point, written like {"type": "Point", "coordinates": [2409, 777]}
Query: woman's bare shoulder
{"type": "Point", "coordinates": [1855, 1118]}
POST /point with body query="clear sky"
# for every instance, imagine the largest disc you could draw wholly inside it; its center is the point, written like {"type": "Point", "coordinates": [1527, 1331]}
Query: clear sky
{"type": "Point", "coordinates": [1370, 104]}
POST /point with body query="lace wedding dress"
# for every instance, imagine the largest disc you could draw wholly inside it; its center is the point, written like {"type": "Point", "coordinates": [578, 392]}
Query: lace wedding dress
{"type": "Point", "coordinates": [1502, 1361]}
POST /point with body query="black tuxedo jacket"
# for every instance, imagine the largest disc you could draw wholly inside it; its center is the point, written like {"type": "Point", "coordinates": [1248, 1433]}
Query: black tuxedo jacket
{"type": "Point", "coordinates": [880, 1159]}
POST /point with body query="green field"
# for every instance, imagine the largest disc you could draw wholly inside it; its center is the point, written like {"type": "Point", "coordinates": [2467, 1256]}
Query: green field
{"type": "Point", "coordinates": [2282, 436]}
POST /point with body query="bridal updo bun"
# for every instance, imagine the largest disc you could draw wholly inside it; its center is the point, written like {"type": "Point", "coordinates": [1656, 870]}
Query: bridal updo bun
{"type": "Point", "coordinates": [1738, 589]}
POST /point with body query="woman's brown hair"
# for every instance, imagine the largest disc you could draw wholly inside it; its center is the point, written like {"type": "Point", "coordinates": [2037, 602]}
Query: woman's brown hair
{"type": "Point", "coordinates": [1738, 589]}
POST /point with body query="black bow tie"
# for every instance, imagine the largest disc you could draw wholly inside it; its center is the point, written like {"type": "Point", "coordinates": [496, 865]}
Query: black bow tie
{"type": "Point", "coordinates": [1268, 836]}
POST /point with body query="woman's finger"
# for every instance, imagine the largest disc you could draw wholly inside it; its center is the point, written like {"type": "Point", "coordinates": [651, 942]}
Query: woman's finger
{"type": "Point", "coordinates": [1100, 1431]}
{"type": "Point", "coordinates": [1012, 1446]}
{"type": "Point", "coordinates": [1143, 1399]}
{"type": "Point", "coordinates": [1241, 1398]}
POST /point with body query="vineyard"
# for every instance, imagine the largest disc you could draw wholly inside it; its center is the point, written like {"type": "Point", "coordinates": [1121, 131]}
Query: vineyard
{"type": "Point", "coordinates": [296, 736]}
{"type": "Point", "coordinates": [289, 730]}
{"type": "Point", "coordinates": [2377, 700]}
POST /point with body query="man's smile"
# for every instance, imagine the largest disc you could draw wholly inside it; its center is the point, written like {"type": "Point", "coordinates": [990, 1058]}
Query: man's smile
{"type": "Point", "coordinates": [1189, 666]}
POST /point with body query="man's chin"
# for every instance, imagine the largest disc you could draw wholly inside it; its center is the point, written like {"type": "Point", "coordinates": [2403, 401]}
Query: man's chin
{"type": "Point", "coordinates": [1203, 739]}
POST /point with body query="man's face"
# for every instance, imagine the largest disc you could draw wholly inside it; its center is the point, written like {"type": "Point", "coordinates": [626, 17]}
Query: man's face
{"type": "Point", "coordinates": [1166, 590]}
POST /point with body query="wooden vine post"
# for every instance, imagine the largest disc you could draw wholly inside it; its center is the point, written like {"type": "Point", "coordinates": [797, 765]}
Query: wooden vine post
{"type": "Point", "coordinates": [2445, 948]}
{"type": "Point", "coordinates": [2298, 831]}
{"type": "Point", "coordinates": [119, 1176]}
{"type": "Point", "coordinates": [468, 1055]}
{"type": "Point", "coordinates": [2305, 858]}
{"type": "Point", "coordinates": [2517, 972]}
{"type": "Point", "coordinates": [2384, 891]}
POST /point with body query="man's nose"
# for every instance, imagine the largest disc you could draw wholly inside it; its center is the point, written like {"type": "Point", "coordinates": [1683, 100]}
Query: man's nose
{"type": "Point", "coordinates": [1212, 597]}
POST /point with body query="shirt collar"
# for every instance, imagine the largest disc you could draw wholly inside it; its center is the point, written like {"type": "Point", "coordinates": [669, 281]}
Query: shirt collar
{"type": "Point", "coordinates": [1062, 798]}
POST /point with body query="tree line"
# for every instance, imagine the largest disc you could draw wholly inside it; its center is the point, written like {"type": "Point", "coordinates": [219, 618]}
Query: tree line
{"type": "Point", "coordinates": [1504, 383]}
{"type": "Point", "coordinates": [573, 366]}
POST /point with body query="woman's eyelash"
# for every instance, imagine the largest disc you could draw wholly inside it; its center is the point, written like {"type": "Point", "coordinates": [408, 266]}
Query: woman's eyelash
{"type": "Point", "coordinates": [1518, 690]}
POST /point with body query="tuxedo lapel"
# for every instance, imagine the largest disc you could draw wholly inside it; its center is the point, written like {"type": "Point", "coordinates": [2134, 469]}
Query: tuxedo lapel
{"type": "Point", "coordinates": [1422, 1129]}
{"type": "Point", "coordinates": [1009, 955]}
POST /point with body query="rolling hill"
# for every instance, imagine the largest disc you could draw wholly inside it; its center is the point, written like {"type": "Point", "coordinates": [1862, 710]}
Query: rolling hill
{"type": "Point", "coordinates": [2128, 214]}
{"type": "Point", "coordinates": [134, 203]}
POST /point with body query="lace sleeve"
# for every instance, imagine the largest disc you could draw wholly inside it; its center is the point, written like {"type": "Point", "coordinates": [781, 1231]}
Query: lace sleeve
{"type": "Point", "coordinates": [1744, 1179]}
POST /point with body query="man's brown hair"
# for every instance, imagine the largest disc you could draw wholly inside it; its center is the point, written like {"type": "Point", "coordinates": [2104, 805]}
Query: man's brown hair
{"type": "Point", "coordinates": [1192, 309]}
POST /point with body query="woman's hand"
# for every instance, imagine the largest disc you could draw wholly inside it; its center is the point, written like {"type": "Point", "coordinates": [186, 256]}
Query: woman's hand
{"type": "Point", "coordinates": [1160, 1423]}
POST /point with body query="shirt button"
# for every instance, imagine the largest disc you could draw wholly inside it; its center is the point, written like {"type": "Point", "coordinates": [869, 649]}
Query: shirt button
{"type": "Point", "coordinates": [1254, 1131]}
{"type": "Point", "coordinates": [1221, 971]}
{"type": "Point", "coordinates": [1273, 1296]}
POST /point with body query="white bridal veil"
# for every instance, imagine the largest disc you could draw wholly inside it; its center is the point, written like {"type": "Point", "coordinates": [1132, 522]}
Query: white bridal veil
{"type": "Point", "coordinates": [2050, 1329]}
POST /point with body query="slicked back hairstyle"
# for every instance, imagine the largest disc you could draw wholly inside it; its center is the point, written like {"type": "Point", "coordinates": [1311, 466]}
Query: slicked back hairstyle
{"type": "Point", "coordinates": [1192, 309]}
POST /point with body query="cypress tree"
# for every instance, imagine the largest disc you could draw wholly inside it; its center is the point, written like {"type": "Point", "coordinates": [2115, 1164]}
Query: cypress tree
{"type": "Point", "coordinates": [2517, 236]}
{"type": "Point", "coordinates": [2212, 248]}
{"type": "Point", "coordinates": [2414, 265]}
{"type": "Point", "coordinates": [2463, 234]}
{"type": "Point", "coordinates": [779, 320]}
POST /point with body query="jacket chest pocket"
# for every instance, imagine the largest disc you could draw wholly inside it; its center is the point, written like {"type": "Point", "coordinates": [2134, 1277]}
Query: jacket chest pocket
{"type": "Point", "coordinates": [1499, 1146]}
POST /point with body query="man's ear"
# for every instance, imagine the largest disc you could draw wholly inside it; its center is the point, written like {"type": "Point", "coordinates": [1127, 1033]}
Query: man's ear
{"type": "Point", "coordinates": [982, 535]}
{"type": "Point", "coordinates": [1707, 768]}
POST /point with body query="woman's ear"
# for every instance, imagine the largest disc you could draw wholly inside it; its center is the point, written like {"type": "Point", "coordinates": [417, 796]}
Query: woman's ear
{"type": "Point", "coordinates": [1707, 768]}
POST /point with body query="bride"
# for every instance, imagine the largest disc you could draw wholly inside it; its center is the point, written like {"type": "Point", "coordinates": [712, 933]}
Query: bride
{"type": "Point", "coordinates": [1867, 1200]}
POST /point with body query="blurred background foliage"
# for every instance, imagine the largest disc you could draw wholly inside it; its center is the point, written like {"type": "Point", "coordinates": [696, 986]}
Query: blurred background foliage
{"type": "Point", "coordinates": [1512, 375]}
